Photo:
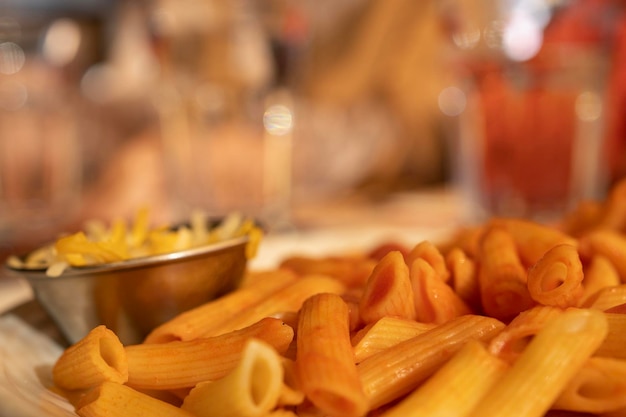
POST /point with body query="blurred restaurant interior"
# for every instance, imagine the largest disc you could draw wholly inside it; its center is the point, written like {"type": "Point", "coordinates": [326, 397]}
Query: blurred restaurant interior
{"type": "Point", "coordinates": [298, 112]}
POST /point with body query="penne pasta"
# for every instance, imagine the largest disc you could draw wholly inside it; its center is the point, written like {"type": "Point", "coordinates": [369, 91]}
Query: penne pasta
{"type": "Point", "coordinates": [281, 413]}
{"type": "Point", "coordinates": [618, 309]}
{"type": "Point", "coordinates": [502, 278]}
{"type": "Point", "coordinates": [467, 239]}
{"type": "Point", "coordinates": [618, 413]}
{"type": "Point", "coordinates": [556, 278]}
{"type": "Point", "coordinates": [430, 253]}
{"type": "Point", "coordinates": [599, 387]}
{"type": "Point", "coordinates": [96, 358]}
{"type": "Point", "coordinates": [548, 363]}
{"type": "Point", "coordinates": [613, 215]}
{"type": "Point", "coordinates": [325, 362]}
{"type": "Point", "coordinates": [532, 239]}
{"type": "Point", "coordinates": [111, 399]}
{"type": "Point", "coordinates": [598, 275]}
{"type": "Point", "coordinates": [511, 342]}
{"type": "Point", "coordinates": [352, 271]}
{"type": "Point", "coordinates": [508, 318]}
{"type": "Point", "coordinates": [435, 301]}
{"type": "Point", "coordinates": [394, 372]}
{"type": "Point", "coordinates": [251, 389]}
{"type": "Point", "coordinates": [614, 345]}
{"type": "Point", "coordinates": [291, 394]}
{"type": "Point", "coordinates": [464, 277]}
{"type": "Point", "coordinates": [584, 217]}
{"type": "Point", "coordinates": [183, 364]}
{"type": "Point", "coordinates": [609, 243]}
{"type": "Point", "coordinates": [386, 332]}
{"type": "Point", "coordinates": [201, 320]}
{"type": "Point", "coordinates": [285, 299]}
{"type": "Point", "coordinates": [388, 291]}
{"type": "Point", "coordinates": [456, 387]}
{"type": "Point", "coordinates": [607, 297]}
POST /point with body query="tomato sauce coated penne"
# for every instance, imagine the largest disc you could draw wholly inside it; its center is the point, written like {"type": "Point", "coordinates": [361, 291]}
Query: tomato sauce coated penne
{"type": "Point", "coordinates": [552, 358]}
{"type": "Point", "coordinates": [508, 318]}
{"type": "Point", "coordinates": [427, 251]}
{"type": "Point", "coordinates": [556, 278]}
{"type": "Point", "coordinates": [455, 388]}
{"type": "Point", "coordinates": [201, 320]}
{"type": "Point", "coordinates": [325, 360]}
{"type": "Point", "coordinates": [392, 373]}
{"type": "Point", "coordinates": [532, 240]}
{"type": "Point", "coordinates": [502, 277]}
{"type": "Point", "coordinates": [435, 301]}
{"type": "Point", "coordinates": [388, 291]}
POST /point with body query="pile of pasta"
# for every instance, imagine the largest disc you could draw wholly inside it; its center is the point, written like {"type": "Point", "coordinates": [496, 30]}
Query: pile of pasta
{"type": "Point", "coordinates": [508, 318]}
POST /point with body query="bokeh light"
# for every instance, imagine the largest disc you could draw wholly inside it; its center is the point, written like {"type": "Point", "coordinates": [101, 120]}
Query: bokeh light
{"type": "Point", "coordinates": [452, 101]}
{"type": "Point", "coordinates": [467, 39]}
{"type": "Point", "coordinates": [522, 37]}
{"type": "Point", "coordinates": [278, 120]}
{"type": "Point", "coordinates": [588, 106]}
{"type": "Point", "coordinates": [12, 58]}
{"type": "Point", "coordinates": [61, 42]}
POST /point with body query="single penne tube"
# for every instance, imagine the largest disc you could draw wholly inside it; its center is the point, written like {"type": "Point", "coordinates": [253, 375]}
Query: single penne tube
{"type": "Point", "coordinates": [286, 299]}
{"type": "Point", "coordinates": [618, 413]}
{"type": "Point", "coordinates": [251, 389]}
{"type": "Point", "coordinates": [111, 399]}
{"type": "Point", "coordinates": [199, 321]}
{"type": "Point", "coordinates": [456, 387]}
{"type": "Point", "coordinates": [586, 215]}
{"type": "Point", "coordinates": [556, 279]}
{"type": "Point", "coordinates": [291, 393]}
{"type": "Point", "coordinates": [384, 333]}
{"type": "Point", "coordinates": [290, 396]}
{"type": "Point", "coordinates": [435, 301]}
{"type": "Point", "coordinates": [394, 372]}
{"type": "Point", "coordinates": [608, 243]}
{"type": "Point", "coordinates": [532, 239]}
{"type": "Point", "coordinates": [618, 309]}
{"type": "Point", "coordinates": [548, 363]}
{"type": "Point", "coordinates": [98, 357]}
{"type": "Point", "coordinates": [281, 412]}
{"type": "Point", "coordinates": [464, 277]}
{"type": "Point", "coordinates": [614, 208]}
{"type": "Point", "coordinates": [427, 251]}
{"type": "Point", "coordinates": [352, 271]}
{"type": "Point", "coordinates": [598, 274]}
{"type": "Point", "coordinates": [353, 298]}
{"type": "Point", "coordinates": [388, 291]}
{"type": "Point", "coordinates": [599, 387]}
{"type": "Point", "coordinates": [325, 362]}
{"type": "Point", "coordinates": [607, 298]}
{"type": "Point", "coordinates": [614, 345]}
{"type": "Point", "coordinates": [466, 238]}
{"type": "Point", "coordinates": [183, 364]}
{"type": "Point", "coordinates": [502, 277]}
{"type": "Point", "coordinates": [511, 342]}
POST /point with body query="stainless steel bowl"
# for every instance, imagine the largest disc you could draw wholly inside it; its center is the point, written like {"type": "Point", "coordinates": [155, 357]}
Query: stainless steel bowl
{"type": "Point", "coordinates": [132, 297]}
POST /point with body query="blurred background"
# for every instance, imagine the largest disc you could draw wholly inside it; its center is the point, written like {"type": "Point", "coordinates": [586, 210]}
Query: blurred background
{"type": "Point", "coordinates": [295, 111]}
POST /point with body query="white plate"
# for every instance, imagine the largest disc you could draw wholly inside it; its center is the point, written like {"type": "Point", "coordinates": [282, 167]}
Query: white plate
{"type": "Point", "coordinates": [26, 355]}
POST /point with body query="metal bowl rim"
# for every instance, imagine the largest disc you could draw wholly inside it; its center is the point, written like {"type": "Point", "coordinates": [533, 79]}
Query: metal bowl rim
{"type": "Point", "coordinates": [133, 263]}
